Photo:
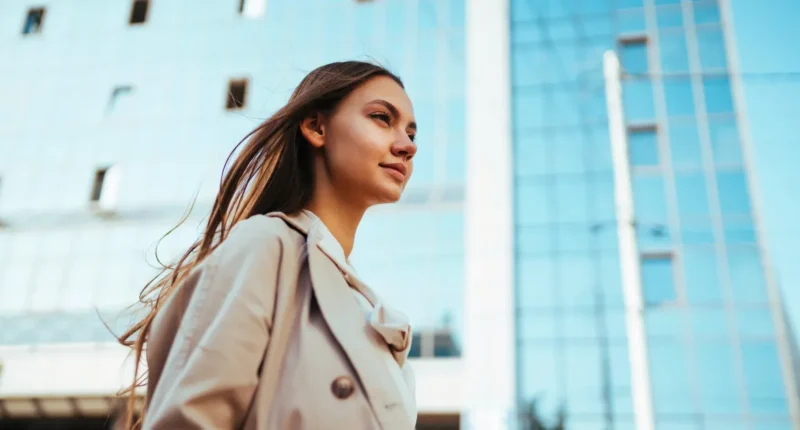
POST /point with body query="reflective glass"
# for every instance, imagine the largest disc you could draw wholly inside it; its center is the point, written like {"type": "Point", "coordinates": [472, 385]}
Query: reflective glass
{"type": "Point", "coordinates": [746, 275]}
{"type": "Point", "coordinates": [633, 57]}
{"type": "Point", "coordinates": [710, 323]}
{"type": "Point", "coordinates": [537, 324]}
{"type": "Point", "coordinates": [739, 231]}
{"type": "Point", "coordinates": [631, 21]}
{"type": "Point", "coordinates": [649, 200]}
{"type": "Point", "coordinates": [523, 33]}
{"type": "Point", "coordinates": [610, 280]}
{"type": "Point", "coordinates": [706, 12]}
{"type": "Point", "coordinates": [674, 56]}
{"type": "Point", "coordinates": [667, 2]}
{"type": "Point", "coordinates": [643, 148]}
{"type": "Point", "coordinates": [622, 4]}
{"type": "Point", "coordinates": [531, 153]}
{"type": "Point", "coordinates": [718, 95]}
{"type": "Point", "coordinates": [684, 144]}
{"type": "Point", "coordinates": [573, 237]}
{"type": "Point", "coordinates": [669, 16]}
{"type": "Point", "coordinates": [534, 239]}
{"type": "Point", "coordinates": [718, 382]}
{"type": "Point", "coordinates": [567, 152]}
{"type": "Point", "coordinates": [725, 141]}
{"type": "Point", "coordinates": [692, 195]}
{"type": "Point", "coordinates": [658, 280]}
{"type": "Point", "coordinates": [762, 370]}
{"type": "Point", "coordinates": [670, 376]}
{"type": "Point", "coordinates": [533, 201]}
{"type": "Point", "coordinates": [733, 192]}
{"type": "Point", "coordinates": [580, 324]}
{"type": "Point", "coordinates": [678, 94]}
{"type": "Point", "coordinates": [542, 376]}
{"type": "Point", "coordinates": [536, 282]}
{"type": "Point", "coordinates": [529, 109]}
{"type": "Point", "coordinates": [577, 281]}
{"type": "Point", "coordinates": [637, 100]}
{"type": "Point", "coordinates": [711, 47]}
{"type": "Point", "coordinates": [571, 199]}
{"type": "Point", "coordinates": [584, 364]}
{"type": "Point", "coordinates": [666, 322]}
{"type": "Point", "coordinates": [564, 108]}
{"type": "Point", "coordinates": [755, 322]}
{"type": "Point", "coordinates": [701, 275]}
{"type": "Point", "coordinates": [697, 232]}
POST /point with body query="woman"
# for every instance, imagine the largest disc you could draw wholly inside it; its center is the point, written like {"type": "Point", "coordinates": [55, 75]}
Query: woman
{"type": "Point", "coordinates": [263, 323]}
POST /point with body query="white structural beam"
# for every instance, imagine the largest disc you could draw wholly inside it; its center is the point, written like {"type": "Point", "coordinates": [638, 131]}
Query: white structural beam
{"type": "Point", "coordinates": [489, 350]}
{"type": "Point", "coordinates": [628, 250]}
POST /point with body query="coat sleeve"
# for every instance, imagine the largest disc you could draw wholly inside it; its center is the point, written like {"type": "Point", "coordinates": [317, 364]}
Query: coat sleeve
{"type": "Point", "coordinates": [211, 373]}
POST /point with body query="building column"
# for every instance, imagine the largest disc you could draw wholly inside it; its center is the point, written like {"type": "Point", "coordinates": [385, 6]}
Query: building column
{"type": "Point", "coordinates": [489, 347]}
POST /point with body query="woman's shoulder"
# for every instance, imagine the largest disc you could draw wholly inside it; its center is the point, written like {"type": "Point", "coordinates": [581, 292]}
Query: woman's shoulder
{"type": "Point", "coordinates": [260, 234]}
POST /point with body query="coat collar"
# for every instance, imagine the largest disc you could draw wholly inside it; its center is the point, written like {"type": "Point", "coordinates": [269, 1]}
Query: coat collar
{"type": "Point", "coordinates": [331, 278]}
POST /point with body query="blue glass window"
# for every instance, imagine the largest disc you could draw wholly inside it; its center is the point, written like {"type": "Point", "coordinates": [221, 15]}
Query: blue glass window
{"type": "Point", "coordinates": [669, 16]}
{"type": "Point", "coordinates": [534, 239]}
{"type": "Point", "coordinates": [531, 153]}
{"type": "Point", "coordinates": [667, 2]}
{"type": "Point", "coordinates": [533, 198]}
{"type": "Point", "coordinates": [658, 281]}
{"type": "Point", "coordinates": [623, 4]}
{"type": "Point", "coordinates": [643, 147]}
{"type": "Point", "coordinates": [666, 322]}
{"type": "Point", "coordinates": [633, 57]}
{"type": "Point", "coordinates": [755, 322]}
{"type": "Point", "coordinates": [710, 323]}
{"type": "Point", "coordinates": [536, 282]}
{"type": "Point", "coordinates": [718, 95]}
{"type": "Point", "coordinates": [567, 152]}
{"type": "Point", "coordinates": [678, 93]}
{"type": "Point", "coordinates": [674, 56]}
{"type": "Point", "coordinates": [670, 377]}
{"type": "Point", "coordinates": [542, 376]}
{"type": "Point", "coordinates": [692, 195]}
{"type": "Point", "coordinates": [583, 365]}
{"type": "Point", "coordinates": [762, 369]}
{"type": "Point", "coordinates": [33, 21]}
{"type": "Point", "coordinates": [711, 46]}
{"type": "Point", "coordinates": [718, 382]}
{"type": "Point", "coordinates": [746, 275]}
{"type": "Point", "coordinates": [738, 230]}
{"type": "Point", "coordinates": [536, 324]}
{"type": "Point", "coordinates": [649, 200]}
{"type": "Point", "coordinates": [637, 99]}
{"type": "Point", "coordinates": [573, 237]}
{"type": "Point", "coordinates": [571, 199]}
{"type": "Point", "coordinates": [701, 274]}
{"type": "Point", "coordinates": [577, 281]}
{"type": "Point", "coordinates": [706, 13]}
{"type": "Point", "coordinates": [631, 21]}
{"type": "Point", "coordinates": [524, 33]}
{"type": "Point", "coordinates": [725, 141]}
{"type": "Point", "coordinates": [684, 144]}
{"type": "Point", "coordinates": [733, 193]}
{"type": "Point", "coordinates": [529, 109]}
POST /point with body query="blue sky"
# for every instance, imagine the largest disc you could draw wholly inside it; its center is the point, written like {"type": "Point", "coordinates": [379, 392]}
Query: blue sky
{"type": "Point", "coordinates": [767, 34]}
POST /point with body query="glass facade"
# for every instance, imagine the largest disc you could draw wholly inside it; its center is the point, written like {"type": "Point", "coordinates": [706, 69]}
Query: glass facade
{"type": "Point", "coordinates": [713, 354]}
{"type": "Point", "coordinates": [88, 91]}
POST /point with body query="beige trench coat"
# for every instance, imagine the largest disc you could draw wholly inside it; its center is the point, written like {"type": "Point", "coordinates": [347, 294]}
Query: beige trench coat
{"type": "Point", "coordinates": [224, 351]}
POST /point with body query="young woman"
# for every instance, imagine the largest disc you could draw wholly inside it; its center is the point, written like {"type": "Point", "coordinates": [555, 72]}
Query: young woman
{"type": "Point", "coordinates": [263, 323]}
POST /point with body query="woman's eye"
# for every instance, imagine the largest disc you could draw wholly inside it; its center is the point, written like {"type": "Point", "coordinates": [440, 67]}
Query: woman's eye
{"type": "Point", "coordinates": [413, 137]}
{"type": "Point", "coordinates": [382, 117]}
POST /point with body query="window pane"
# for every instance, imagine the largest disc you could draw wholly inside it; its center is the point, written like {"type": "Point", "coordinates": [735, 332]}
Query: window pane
{"type": "Point", "coordinates": [633, 57]}
{"type": "Point", "coordinates": [755, 322]}
{"type": "Point", "coordinates": [643, 148]}
{"type": "Point", "coordinates": [692, 195]}
{"type": "Point", "coordinates": [530, 154]}
{"type": "Point", "coordinates": [701, 275]}
{"type": "Point", "coordinates": [706, 13]}
{"type": "Point", "coordinates": [529, 109]}
{"type": "Point", "coordinates": [670, 17]}
{"type": "Point", "coordinates": [571, 199]}
{"type": "Point", "coordinates": [725, 141]}
{"type": "Point", "coordinates": [537, 324]}
{"type": "Point", "coordinates": [584, 378]}
{"type": "Point", "coordinates": [657, 280]}
{"type": "Point", "coordinates": [710, 323]}
{"type": "Point", "coordinates": [532, 199]}
{"type": "Point", "coordinates": [536, 285]}
{"type": "Point", "coordinates": [684, 144]}
{"type": "Point", "coordinates": [541, 376]}
{"type": "Point", "coordinates": [733, 194]}
{"type": "Point", "coordinates": [667, 322]}
{"type": "Point", "coordinates": [670, 376]}
{"type": "Point", "coordinates": [711, 45]}
{"type": "Point", "coordinates": [566, 152]}
{"type": "Point", "coordinates": [678, 93]}
{"type": "Point", "coordinates": [577, 281]}
{"type": "Point", "coordinates": [717, 378]}
{"type": "Point", "coordinates": [533, 240]}
{"type": "Point", "coordinates": [718, 95]}
{"type": "Point", "coordinates": [746, 275]}
{"type": "Point", "coordinates": [649, 200]}
{"type": "Point", "coordinates": [739, 231]}
{"type": "Point", "coordinates": [762, 369]}
{"type": "Point", "coordinates": [674, 56]}
{"type": "Point", "coordinates": [637, 98]}
{"type": "Point", "coordinates": [631, 21]}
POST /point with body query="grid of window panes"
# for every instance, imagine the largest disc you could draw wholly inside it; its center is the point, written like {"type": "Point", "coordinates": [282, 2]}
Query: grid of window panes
{"type": "Point", "coordinates": [150, 100]}
{"type": "Point", "coordinates": [711, 341]}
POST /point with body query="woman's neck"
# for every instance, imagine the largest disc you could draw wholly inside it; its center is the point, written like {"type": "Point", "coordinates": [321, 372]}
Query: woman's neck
{"type": "Point", "coordinates": [341, 219]}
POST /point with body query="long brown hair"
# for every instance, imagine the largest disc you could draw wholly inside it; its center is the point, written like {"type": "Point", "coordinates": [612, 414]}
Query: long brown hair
{"type": "Point", "coordinates": [272, 172]}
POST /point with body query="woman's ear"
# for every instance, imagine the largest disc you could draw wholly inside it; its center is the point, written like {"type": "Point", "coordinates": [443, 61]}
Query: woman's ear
{"type": "Point", "coordinates": [313, 130]}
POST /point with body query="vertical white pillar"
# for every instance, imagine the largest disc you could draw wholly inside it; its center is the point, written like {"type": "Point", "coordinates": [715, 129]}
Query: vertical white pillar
{"type": "Point", "coordinates": [489, 347]}
{"type": "Point", "coordinates": [628, 250]}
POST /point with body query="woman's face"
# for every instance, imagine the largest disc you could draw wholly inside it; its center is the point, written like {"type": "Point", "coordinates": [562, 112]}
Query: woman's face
{"type": "Point", "coordinates": [367, 143]}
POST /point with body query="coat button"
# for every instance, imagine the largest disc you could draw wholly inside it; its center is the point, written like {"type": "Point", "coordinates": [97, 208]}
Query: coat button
{"type": "Point", "coordinates": [343, 387]}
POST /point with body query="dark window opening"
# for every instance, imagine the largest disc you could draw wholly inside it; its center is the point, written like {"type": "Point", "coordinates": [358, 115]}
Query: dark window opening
{"type": "Point", "coordinates": [139, 11]}
{"type": "Point", "coordinates": [658, 279]}
{"type": "Point", "coordinates": [33, 22]}
{"type": "Point", "coordinates": [97, 188]}
{"type": "Point", "coordinates": [237, 94]}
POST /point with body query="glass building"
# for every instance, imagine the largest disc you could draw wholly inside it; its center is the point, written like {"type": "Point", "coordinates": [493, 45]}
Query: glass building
{"type": "Point", "coordinates": [114, 115]}
{"type": "Point", "coordinates": [713, 349]}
